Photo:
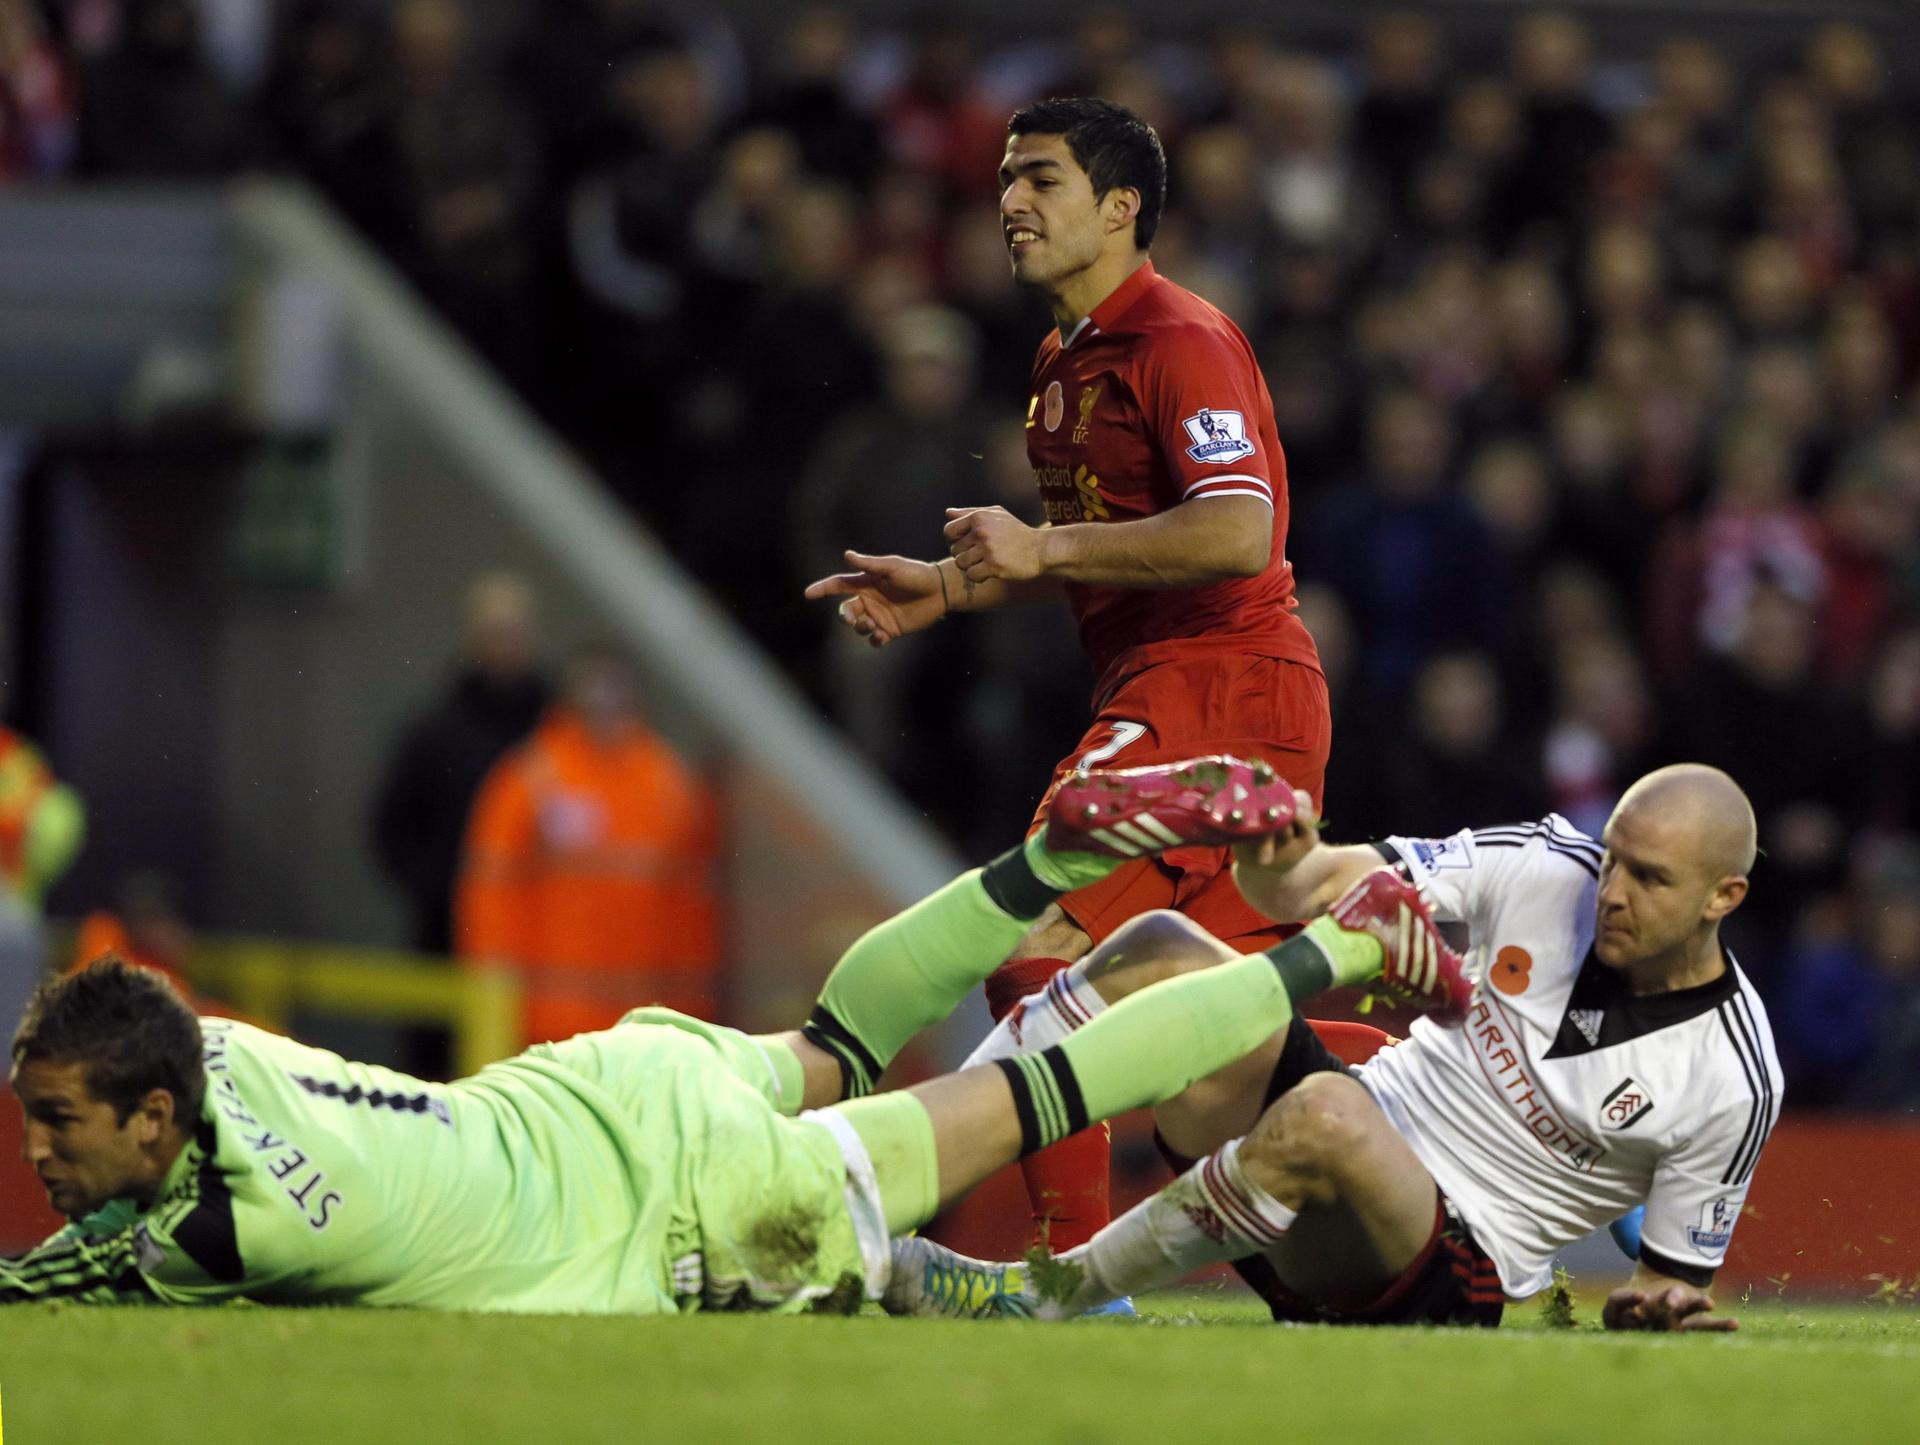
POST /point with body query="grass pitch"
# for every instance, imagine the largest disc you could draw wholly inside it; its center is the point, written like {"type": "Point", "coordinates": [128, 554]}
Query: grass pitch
{"type": "Point", "coordinates": [1199, 1367]}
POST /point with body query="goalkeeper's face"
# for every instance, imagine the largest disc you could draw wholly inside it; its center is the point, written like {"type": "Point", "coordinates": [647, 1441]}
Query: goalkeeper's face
{"type": "Point", "coordinates": [85, 1154]}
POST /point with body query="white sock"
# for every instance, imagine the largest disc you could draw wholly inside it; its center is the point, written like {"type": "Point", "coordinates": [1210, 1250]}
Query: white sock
{"type": "Point", "coordinates": [1041, 1020]}
{"type": "Point", "coordinates": [1211, 1213]}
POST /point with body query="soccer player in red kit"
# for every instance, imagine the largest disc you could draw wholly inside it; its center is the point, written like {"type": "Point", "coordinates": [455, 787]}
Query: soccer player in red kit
{"type": "Point", "coordinates": [1152, 438]}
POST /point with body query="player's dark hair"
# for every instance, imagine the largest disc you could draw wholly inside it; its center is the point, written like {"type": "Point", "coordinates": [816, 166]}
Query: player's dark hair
{"type": "Point", "coordinates": [1111, 144]}
{"type": "Point", "coordinates": [128, 1026]}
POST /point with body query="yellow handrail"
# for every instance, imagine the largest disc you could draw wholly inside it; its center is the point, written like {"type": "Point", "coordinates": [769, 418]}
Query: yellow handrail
{"type": "Point", "coordinates": [269, 978]}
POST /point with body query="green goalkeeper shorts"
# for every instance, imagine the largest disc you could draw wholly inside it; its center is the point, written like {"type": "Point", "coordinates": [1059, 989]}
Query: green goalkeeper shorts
{"type": "Point", "coordinates": [769, 1213]}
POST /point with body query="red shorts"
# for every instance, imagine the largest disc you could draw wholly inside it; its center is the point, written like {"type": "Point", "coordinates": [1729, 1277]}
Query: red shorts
{"type": "Point", "coordinates": [1255, 707]}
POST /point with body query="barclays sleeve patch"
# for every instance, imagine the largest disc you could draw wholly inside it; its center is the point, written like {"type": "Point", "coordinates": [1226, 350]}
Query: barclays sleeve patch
{"type": "Point", "coordinates": [1218, 436]}
{"type": "Point", "coordinates": [1715, 1230]}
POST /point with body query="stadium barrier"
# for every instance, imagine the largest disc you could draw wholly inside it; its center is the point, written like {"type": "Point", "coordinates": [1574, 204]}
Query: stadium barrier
{"type": "Point", "coordinates": [1821, 1222]}
{"type": "Point", "coordinates": [270, 979]}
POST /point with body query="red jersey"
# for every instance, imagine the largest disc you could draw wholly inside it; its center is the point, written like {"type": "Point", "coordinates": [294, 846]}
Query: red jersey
{"type": "Point", "coordinates": [1153, 401]}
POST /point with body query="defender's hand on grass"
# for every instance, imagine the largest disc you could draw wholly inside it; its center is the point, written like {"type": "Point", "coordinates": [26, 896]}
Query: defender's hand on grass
{"type": "Point", "coordinates": [886, 597]}
{"type": "Point", "coordinates": [1675, 1307]}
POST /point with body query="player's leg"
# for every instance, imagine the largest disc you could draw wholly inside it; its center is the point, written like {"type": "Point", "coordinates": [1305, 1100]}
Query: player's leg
{"type": "Point", "coordinates": [1147, 950]}
{"type": "Point", "coordinates": [1151, 948]}
{"type": "Point", "coordinates": [946, 1136]}
{"type": "Point", "coordinates": [1220, 1209]}
{"type": "Point", "coordinates": [1068, 1184]}
{"type": "Point", "coordinates": [1322, 1187]}
{"type": "Point", "coordinates": [912, 970]}
{"type": "Point", "coordinates": [931, 1143]}
{"type": "Point", "coordinates": [1246, 705]}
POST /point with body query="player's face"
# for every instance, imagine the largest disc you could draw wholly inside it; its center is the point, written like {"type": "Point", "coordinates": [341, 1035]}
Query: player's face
{"type": "Point", "coordinates": [1652, 895]}
{"type": "Point", "coordinates": [1048, 212]}
{"type": "Point", "coordinates": [84, 1156]}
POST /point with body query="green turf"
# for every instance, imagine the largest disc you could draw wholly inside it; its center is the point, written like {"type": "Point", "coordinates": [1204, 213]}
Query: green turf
{"type": "Point", "coordinates": [1200, 1368]}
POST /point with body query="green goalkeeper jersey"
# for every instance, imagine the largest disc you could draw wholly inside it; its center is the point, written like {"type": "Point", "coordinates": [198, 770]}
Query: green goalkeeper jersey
{"type": "Point", "coordinates": [586, 1176]}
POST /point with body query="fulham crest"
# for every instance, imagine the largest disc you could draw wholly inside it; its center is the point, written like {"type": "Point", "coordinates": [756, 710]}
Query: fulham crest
{"type": "Point", "coordinates": [1625, 1105]}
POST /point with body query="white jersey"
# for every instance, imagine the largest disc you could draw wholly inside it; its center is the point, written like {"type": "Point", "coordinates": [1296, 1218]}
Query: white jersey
{"type": "Point", "coordinates": [1566, 1100]}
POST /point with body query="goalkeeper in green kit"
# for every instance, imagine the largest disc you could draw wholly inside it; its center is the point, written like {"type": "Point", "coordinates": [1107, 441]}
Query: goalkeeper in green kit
{"type": "Point", "coordinates": [664, 1164]}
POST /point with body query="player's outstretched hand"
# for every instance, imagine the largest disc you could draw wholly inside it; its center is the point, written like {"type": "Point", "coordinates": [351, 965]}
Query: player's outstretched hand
{"type": "Point", "coordinates": [884, 598]}
{"type": "Point", "coordinates": [1671, 1307]}
{"type": "Point", "coordinates": [990, 543]}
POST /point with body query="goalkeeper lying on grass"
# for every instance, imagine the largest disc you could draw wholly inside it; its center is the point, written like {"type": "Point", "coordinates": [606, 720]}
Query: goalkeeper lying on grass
{"type": "Point", "coordinates": [658, 1165]}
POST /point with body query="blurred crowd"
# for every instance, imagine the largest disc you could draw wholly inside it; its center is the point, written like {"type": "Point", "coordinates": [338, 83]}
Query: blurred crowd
{"type": "Point", "coordinates": [1594, 371]}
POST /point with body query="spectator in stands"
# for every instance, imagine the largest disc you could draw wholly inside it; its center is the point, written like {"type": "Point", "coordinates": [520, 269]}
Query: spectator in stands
{"type": "Point", "coordinates": [1397, 123]}
{"type": "Point", "coordinates": [809, 97]}
{"type": "Point", "coordinates": [641, 289]}
{"type": "Point", "coordinates": [1753, 531]}
{"type": "Point", "coordinates": [980, 287]}
{"type": "Point", "coordinates": [42, 824]}
{"type": "Point", "coordinates": [38, 117]}
{"type": "Point", "coordinates": [145, 926]}
{"type": "Point", "coordinates": [572, 49]}
{"type": "Point", "coordinates": [1603, 730]}
{"type": "Point", "coordinates": [322, 92]}
{"type": "Point", "coordinates": [1888, 780]}
{"type": "Point", "coordinates": [589, 861]}
{"type": "Point", "coordinates": [446, 177]}
{"type": "Point", "coordinates": [797, 328]}
{"type": "Point", "coordinates": [1761, 709]}
{"type": "Point", "coordinates": [1459, 752]}
{"type": "Point", "coordinates": [1359, 798]}
{"type": "Point", "coordinates": [152, 107]}
{"type": "Point", "coordinates": [1509, 489]}
{"type": "Point", "coordinates": [1851, 996]}
{"type": "Point", "coordinates": [884, 475]}
{"type": "Point", "coordinates": [1868, 530]}
{"type": "Point", "coordinates": [1391, 545]}
{"type": "Point", "coordinates": [1317, 193]}
{"type": "Point", "coordinates": [493, 702]}
{"type": "Point", "coordinates": [937, 121]}
{"type": "Point", "coordinates": [1027, 681]}
{"type": "Point", "coordinates": [1550, 60]}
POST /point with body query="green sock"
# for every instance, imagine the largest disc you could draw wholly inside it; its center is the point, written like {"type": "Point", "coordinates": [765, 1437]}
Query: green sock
{"type": "Point", "coordinates": [1065, 871]}
{"type": "Point", "coordinates": [908, 973]}
{"type": "Point", "coordinates": [898, 1133]}
{"type": "Point", "coordinates": [789, 1078]}
{"type": "Point", "coordinates": [1147, 1048]}
{"type": "Point", "coordinates": [1353, 956]}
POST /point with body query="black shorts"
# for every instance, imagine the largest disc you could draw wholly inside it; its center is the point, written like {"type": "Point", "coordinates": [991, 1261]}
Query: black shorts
{"type": "Point", "coordinates": [1451, 1282]}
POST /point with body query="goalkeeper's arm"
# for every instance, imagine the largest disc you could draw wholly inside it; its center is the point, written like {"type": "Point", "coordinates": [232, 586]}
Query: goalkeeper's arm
{"type": "Point", "coordinates": [78, 1268]}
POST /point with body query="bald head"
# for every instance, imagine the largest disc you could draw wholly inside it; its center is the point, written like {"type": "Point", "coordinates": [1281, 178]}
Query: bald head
{"type": "Point", "coordinates": [1701, 806]}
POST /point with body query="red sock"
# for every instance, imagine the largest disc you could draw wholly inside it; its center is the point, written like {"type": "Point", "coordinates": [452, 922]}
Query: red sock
{"type": "Point", "coordinates": [1067, 1183]}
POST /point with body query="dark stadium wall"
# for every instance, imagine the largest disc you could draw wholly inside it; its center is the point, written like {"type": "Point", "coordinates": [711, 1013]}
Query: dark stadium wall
{"type": "Point", "coordinates": [128, 577]}
{"type": "Point", "coordinates": [232, 731]}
